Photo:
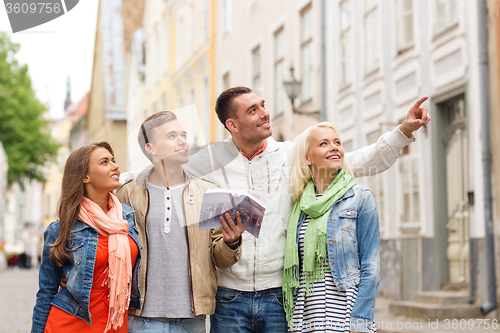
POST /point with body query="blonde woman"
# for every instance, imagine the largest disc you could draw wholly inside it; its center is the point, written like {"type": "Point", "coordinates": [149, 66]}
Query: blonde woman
{"type": "Point", "coordinates": [332, 259]}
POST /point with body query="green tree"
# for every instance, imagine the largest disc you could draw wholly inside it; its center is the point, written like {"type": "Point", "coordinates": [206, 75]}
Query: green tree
{"type": "Point", "coordinates": [23, 131]}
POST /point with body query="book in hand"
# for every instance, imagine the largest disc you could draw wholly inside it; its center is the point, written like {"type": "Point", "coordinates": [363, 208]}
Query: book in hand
{"type": "Point", "coordinates": [219, 201]}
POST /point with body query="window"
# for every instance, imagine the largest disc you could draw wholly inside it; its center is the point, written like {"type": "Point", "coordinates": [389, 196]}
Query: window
{"type": "Point", "coordinates": [48, 204]}
{"type": "Point", "coordinates": [306, 53]}
{"type": "Point", "coordinates": [192, 119]}
{"type": "Point", "coordinates": [191, 38]}
{"type": "Point", "coordinates": [156, 107]}
{"type": "Point", "coordinates": [158, 63]}
{"type": "Point", "coordinates": [256, 77]}
{"type": "Point", "coordinates": [205, 109]}
{"type": "Point", "coordinates": [225, 81]}
{"type": "Point", "coordinates": [279, 69]}
{"type": "Point", "coordinates": [345, 44]}
{"type": "Point", "coordinates": [446, 14]}
{"type": "Point", "coordinates": [192, 96]}
{"type": "Point", "coordinates": [179, 112]}
{"type": "Point", "coordinates": [376, 184]}
{"type": "Point", "coordinates": [205, 20]}
{"type": "Point", "coordinates": [371, 45]}
{"type": "Point", "coordinates": [164, 101]}
{"type": "Point", "coordinates": [166, 47]}
{"type": "Point", "coordinates": [253, 3]}
{"type": "Point", "coordinates": [227, 11]}
{"type": "Point", "coordinates": [226, 84]}
{"type": "Point", "coordinates": [410, 188]}
{"type": "Point", "coordinates": [149, 63]}
{"type": "Point", "coordinates": [348, 146]}
{"type": "Point", "coordinates": [180, 39]}
{"type": "Point", "coordinates": [404, 23]}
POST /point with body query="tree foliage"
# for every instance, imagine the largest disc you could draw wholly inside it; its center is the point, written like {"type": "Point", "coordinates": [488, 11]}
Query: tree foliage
{"type": "Point", "coordinates": [23, 130]}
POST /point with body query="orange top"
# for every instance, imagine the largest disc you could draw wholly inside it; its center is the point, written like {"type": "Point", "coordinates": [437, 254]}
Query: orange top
{"type": "Point", "coordinates": [61, 321]}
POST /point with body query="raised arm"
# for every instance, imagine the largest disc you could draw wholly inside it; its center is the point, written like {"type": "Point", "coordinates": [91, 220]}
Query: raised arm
{"type": "Point", "coordinates": [380, 156]}
{"type": "Point", "coordinates": [211, 158]}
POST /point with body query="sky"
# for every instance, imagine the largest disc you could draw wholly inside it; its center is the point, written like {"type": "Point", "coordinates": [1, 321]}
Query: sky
{"type": "Point", "coordinates": [57, 49]}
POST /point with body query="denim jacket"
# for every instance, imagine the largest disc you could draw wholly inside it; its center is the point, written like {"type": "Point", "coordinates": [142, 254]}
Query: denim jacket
{"type": "Point", "coordinates": [79, 269]}
{"type": "Point", "coordinates": [353, 244]}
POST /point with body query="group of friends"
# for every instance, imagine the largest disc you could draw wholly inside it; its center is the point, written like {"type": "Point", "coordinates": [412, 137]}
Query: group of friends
{"type": "Point", "coordinates": [130, 257]}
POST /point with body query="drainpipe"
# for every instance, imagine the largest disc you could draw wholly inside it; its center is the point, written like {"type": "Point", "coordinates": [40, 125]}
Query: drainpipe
{"type": "Point", "coordinates": [491, 303]}
{"type": "Point", "coordinates": [322, 111]}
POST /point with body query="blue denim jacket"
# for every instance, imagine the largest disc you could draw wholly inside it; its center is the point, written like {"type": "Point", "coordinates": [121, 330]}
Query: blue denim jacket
{"type": "Point", "coordinates": [353, 244]}
{"type": "Point", "coordinates": [79, 269]}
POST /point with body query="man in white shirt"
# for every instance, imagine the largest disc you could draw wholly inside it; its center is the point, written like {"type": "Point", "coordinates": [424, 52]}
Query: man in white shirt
{"type": "Point", "coordinates": [249, 297]}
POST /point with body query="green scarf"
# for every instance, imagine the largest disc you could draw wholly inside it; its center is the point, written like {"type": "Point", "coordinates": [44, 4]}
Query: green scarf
{"type": "Point", "coordinates": [315, 251]}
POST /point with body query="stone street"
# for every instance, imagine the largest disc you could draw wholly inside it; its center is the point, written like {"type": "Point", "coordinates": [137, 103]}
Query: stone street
{"type": "Point", "coordinates": [17, 294]}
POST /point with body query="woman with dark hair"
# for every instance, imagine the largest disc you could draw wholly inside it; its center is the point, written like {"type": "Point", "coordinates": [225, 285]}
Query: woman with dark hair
{"type": "Point", "coordinates": [95, 245]}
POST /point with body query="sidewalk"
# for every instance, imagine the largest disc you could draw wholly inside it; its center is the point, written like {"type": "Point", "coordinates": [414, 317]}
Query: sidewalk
{"type": "Point", "coordinates": [388, 323]}
{"type": "Point", "coordinates": [18, 289]}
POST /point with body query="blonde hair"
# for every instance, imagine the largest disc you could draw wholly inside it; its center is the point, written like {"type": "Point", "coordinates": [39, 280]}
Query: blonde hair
{"type": "Point", "coordinates": [300, 173]}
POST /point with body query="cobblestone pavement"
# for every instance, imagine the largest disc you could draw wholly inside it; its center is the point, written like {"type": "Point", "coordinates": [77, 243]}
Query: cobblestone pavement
{"type": "Point", "coordinates": [389, 323]}
{"type": "Point", "coordinates": [18, 292]}
{"type": "Point", "coordinates": [17, 297]}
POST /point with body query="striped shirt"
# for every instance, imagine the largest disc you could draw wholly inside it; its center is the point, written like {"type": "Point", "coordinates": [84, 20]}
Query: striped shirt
{"type": "Point", "coordinates": [326, 309]}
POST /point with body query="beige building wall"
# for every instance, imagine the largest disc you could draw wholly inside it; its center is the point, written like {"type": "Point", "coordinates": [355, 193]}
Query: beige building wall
{"type": "Point", "coordinates": [99, 128]}
{"type": "Point", "coordinates": [106, 118]}
{"type": "Point", "coordinates": [4, 168]}
{"type": "Point", "coordinates": [257, 43]}
{"type": "Point", "coordinates": [52, 187]}
{"type": "Point", "coordinates": [494, 64]}
{"type": "Point", "coordinates": [179, 64]}
{"type": "Point", "coordinates": [494, 77]}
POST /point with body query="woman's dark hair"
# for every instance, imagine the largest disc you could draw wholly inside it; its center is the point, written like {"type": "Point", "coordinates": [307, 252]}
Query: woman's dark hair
{"type": "Point", "coordinates": [72, 193]}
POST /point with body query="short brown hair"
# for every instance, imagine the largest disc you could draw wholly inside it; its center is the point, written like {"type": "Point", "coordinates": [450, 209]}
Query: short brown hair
{"type": "Point", "coordinates": [153, 121]}
{"type": "Point", "coordinates": [224, 107]}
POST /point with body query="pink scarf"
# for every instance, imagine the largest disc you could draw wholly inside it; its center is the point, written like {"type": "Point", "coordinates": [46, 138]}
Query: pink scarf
{"type": "Point", "coordinates": [113, 226]}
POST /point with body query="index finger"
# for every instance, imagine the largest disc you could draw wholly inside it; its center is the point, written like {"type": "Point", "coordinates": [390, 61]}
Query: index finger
{"type": "Point", "coordinates": [229, 220]}
{"type": "Point", "coordinates": [420, 101]}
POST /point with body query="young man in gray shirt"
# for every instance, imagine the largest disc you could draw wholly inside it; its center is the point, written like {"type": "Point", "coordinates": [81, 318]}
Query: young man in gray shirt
{"type": "Point", "coordinates": [177, 277]}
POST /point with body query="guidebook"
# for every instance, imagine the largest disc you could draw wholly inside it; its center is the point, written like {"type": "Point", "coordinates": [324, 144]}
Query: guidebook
{"type": "Point", "coordinates": [219, 201]}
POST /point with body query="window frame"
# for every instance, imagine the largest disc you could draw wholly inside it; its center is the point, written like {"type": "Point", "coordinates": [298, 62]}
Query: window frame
{"type": "Point", "coordinates": [345, 76]}
{"type": "Point", "coordinates": [306, 54]}
{"type": "Point", "coordinates": [448, 21]}
{"type": "Point", "coordinates": [402, 44]}
{"type": "Point", "coordinates": [279, 65]}
{"type": "Point", "coordinates": [257, 70]}
{"type": "Point", "coordinates": [371, 51]}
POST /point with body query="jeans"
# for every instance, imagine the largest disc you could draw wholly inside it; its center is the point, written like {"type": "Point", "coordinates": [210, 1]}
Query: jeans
{"type": "Point", "coordinates": [242, 311]}
{"type": "Point", "coordinates": [147, 325]}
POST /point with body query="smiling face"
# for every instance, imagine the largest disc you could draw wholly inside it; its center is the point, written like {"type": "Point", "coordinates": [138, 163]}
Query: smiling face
{"type": "Point", "coordinates": [103, 174]}
{"type": "Point", "coordinates": [169, 142]}
{"type": "Point", "coordinates": [325, 154]}
{"type": "Point", "coordinates": [252, 122]}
